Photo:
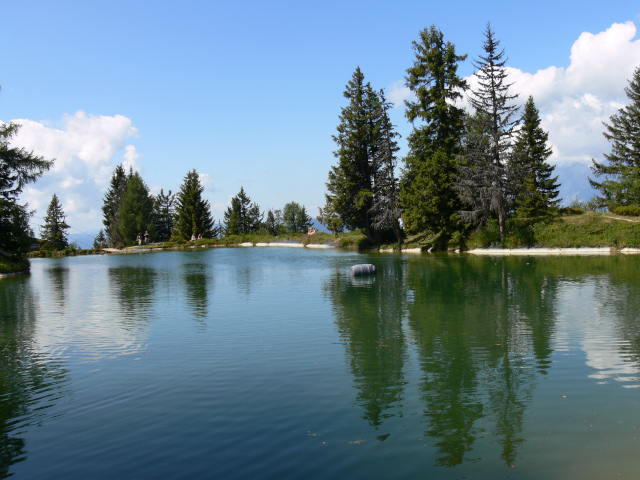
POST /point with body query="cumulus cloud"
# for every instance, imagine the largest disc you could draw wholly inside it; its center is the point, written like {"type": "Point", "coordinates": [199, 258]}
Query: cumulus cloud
{"type": "Point", "coordinates": [397, 93]}
{"type": "Point", "coordinates": [574, 102]}
{"type": "Point", "coordinates": [86, 149]}
{"type": "Point", "coordinates": [130, 159]}
{"type": "Point", "coordinates": [206, 181]}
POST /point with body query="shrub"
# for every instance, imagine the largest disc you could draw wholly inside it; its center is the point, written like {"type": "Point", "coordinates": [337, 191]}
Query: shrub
{"type": "Point", "coordinates": [628, 210]}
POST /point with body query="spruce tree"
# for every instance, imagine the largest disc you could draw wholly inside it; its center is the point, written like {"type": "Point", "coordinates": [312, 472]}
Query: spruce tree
{"type": "Point", "coordinates": [386, 211]}
{"type": "Point", "coordinates": [295, 218]}
{"type": "Point", "coordinates": [17, 169]}
{"type": "Point", "coordinates": [328, 217]}
{"type": "Point", "coordinates": [486, 181]}
{"type": "Point", "coordinates": [100, 240]}
{"type": "Point", "coordinates": [242, 217]}
{"type": "Point", "coordinates": [538, 190]}
{"type": "Point", "coordinates": [135, 215]}
{"type": "Point", "coordinates": [428, 196]}
{"type": "Point", "coordinates": [54, 231]}
{"type": "Point", "coordinates": [193, 213]}
{"type": "Point", "coordinates": [164, 214]}
{"type": "Point", "coordinates": [273, 223]}
{"type": "Point", "coordinates": [111, 205]}
{"type": "Point", "coordinates": [621, 184]}
{"type": "Point", "coordinates": [351, 181]}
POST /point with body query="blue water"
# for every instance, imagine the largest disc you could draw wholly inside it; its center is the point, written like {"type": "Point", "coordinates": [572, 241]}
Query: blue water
{"type": "Point", "coordinates": [275, 363]}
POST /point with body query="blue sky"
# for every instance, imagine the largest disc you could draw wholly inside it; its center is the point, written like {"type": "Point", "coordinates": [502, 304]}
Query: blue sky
{"type": "Point", "coordinates": [249, 93]}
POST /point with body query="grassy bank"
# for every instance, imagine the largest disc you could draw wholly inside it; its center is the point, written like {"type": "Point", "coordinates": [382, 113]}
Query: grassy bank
{"type": "Point", "coordinates": [352, 241]}
{"type": "Point", "coordinates": [569, 229]}
{"type": "Point", "coordinates": [13, 265]}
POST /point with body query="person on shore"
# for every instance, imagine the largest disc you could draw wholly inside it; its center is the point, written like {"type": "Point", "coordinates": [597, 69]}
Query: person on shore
{"type": "Point", "coordinates": [146, 237]}
{"type": "Point", "coordinates": [193, 238]}
{"type": "Point", "coordinates": [139, 239]}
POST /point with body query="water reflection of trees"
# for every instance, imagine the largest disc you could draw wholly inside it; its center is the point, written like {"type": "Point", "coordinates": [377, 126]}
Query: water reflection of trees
{"type": "Point", "coordinates": [368, 313]}
{"type": "Point", "coordinates": [132, 288]}
{"type": "Point", "coordinates": [478, 323]}
{"type": "Point", "coordinates": [59, 279]}
{"type": "Point", "coordinates": [482, 329]}
{"type": "Point", "coordinates": [196, 277]}
{"type": "Point", "coordinates": [30, 382]}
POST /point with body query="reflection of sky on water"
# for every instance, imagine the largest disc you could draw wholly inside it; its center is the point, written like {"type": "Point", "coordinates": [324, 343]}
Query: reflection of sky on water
{"type": "Point", "coordinates": [595, 326]}
{"type": "Point", "coordinates": [80, 326]}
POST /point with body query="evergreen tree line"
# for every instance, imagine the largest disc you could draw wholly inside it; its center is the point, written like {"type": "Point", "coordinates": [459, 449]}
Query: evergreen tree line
{"type": "Point", "coordinates": [131, 212]}
{"type": "Point", "coordinates": [463, 168]}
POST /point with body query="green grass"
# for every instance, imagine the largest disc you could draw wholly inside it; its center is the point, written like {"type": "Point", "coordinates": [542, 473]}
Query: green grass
{"type": "Point", "coordinates": [573, 230]}
{"type": "Point", "coordinates": [570, 228]}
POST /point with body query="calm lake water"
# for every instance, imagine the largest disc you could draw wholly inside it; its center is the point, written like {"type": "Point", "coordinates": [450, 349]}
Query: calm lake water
{"type": "Point", "coordinates": [274, 363]}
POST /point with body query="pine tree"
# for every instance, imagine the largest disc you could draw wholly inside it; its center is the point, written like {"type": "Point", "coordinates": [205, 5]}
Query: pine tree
{"type": "Point", "coordinates": [352, 180]}
{"type": "Point", "coordinates": [17, 169]}
{"type": "Point", "coordinates": [193, 213]}
{"type": "Point", "coordinates": [386, 211]}
{"type": "Point", "coordinates": [242, 217]}
{"type": "Point", "coordinates": [54, 231]}
{"type": "Point", "coordinates": [135, 215]}
{"type": "Point", "coordinates": [164, 214]}
{"type": "Point", "coordinates": [273, 223]}
{"type": "Point", "coordinates": [328, 217]}
{"type": "Point", "coordinates": [429, 198]}
{"type": "Point", "coordinates": [485, 182]}
{"type": "Point", "coordinates": [621, 184]}
{"type": "Point", "coordinates": [111, 205]}
{"type": "Point", "coordinates": [295, 218]}
{"type": "Point", "coordinates": [538, 190]}
{"type": "Point", "coordinates": [217, 232]}
{"type": "Point", "coordinates": [100, 240]}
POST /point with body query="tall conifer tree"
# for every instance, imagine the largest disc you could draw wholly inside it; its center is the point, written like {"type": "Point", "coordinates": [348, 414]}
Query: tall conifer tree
{"type": "Point", "coordinates": [295, 218]}
{"type": "Point", "coordinates": [352, 182]}
{"type": "Point", "coordinates": [538, 190]}
{"type": "Point", "coordinates": [54, 231]}
{"type": "Point", "coordinates": [486, 182]}
{"type": "Point", "coordinates": [135, 215]}
{"type": "Point", "coordinates": [386, 210]}
{"type": "Point", "coordinates": [621, 184]}
{"type": "Point", "coordinates": [242, 217]}
{"type": "Point", "coordinates": [428, 195]}
{"type": "Point", "coordinates": [111, 205]}
{"type": "Point", "coordinates": [193, 213]}
{"type": "Point", "coordinates": [164, 214]}
{"type": "Point", "coordinates": [17, 169]}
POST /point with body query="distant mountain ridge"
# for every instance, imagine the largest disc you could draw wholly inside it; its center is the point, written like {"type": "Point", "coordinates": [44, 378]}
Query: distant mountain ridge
{"type": "Point", "coordinates": [574, 181]}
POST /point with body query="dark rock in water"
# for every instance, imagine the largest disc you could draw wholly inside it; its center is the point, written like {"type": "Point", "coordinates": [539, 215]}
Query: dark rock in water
{"type": "Point", "coordinates": [363, 269]}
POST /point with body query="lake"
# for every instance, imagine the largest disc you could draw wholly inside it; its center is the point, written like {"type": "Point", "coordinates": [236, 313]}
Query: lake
{"type": "Point", "coordinates": [275, 363]}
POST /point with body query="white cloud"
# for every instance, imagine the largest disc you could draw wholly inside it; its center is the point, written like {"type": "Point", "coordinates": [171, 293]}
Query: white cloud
{"type": "Point", "coordinates": [206, 181]}
{"type": "Point", "coordinates": [131, 157]}
{"type": "Point", "coordinates": [86, 149]}
{"type": "Point", "coordinates": [397, 93]}
{"type": "Point", "coordinates": [574, 102]}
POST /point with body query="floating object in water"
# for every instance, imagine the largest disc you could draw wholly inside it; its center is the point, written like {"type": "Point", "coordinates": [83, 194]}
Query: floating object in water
{"type": "Point", "coordinates": [363, 269]}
